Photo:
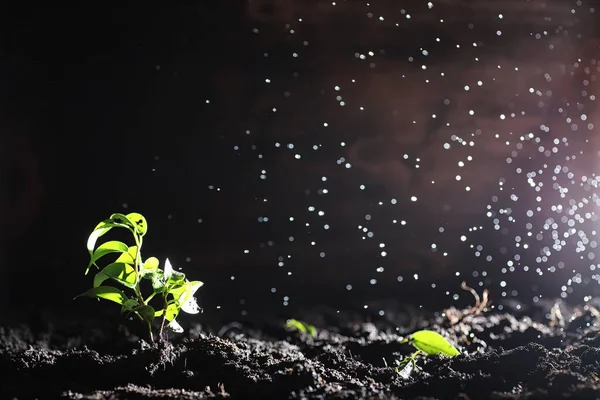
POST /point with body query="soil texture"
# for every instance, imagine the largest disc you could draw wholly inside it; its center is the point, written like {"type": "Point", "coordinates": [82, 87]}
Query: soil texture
{"type": "Point", "coordinates": [550, 351]}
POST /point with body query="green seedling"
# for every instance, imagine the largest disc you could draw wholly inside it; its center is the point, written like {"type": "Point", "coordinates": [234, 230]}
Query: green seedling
{"type": "Point", "coordinates": [301, 326]}
{"type": "Point", "coordinates": [171, 289]}
{"type": "Point", "coordinates": [427, 342]}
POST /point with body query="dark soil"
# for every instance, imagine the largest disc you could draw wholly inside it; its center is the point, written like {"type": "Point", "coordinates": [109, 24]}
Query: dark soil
{"type": "Point", "coordinates": [540, 353]}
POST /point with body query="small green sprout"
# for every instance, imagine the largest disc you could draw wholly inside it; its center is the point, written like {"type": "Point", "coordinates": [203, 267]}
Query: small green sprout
{"type": "Point", "coordinates": [428, 342]}
{"type": "Point", "coordinates": [301, 326]}
{"type": "Point", "coordinates": [174, 291]}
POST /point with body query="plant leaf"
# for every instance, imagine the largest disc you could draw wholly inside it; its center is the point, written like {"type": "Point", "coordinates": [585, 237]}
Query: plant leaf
{"type": "Point", "coordinates": [139, 223]}
{"type": "Point", "coordinates": [101, 229]}
{"type": "Point", "coordinates": [128, 257]}
{"type": "Point", "coordinates": [107, 293]}
{"type": "Point", "coordinates": [146, 312]}
{"type": "Point", "coordinates": [176, 280]}
{"type": "Point", "coordinates": [168, 270]}
{"type": "Point", "coordinates": [430, 342]}
{"type": "Point", "coordinates": [187, 301]}
{"type": "Point", "coordinates": [121, 272]}
{"type": "Point", "coordinates": [121, 219]}
{"type": "Point", "coordinates": [302, 327]}
{"type": "Point", "coordinates": [99, 279]}
{"type": "Point", "coordinates": [149, 268]}
{"type": "Point", "coordinates": [158, 284]}
{"type": "Point", "coordinates": [98, 231]}
{"type": "Point", "coordinates": [175, 327]}
{"type": "Point", "coordinates": [114, 246]}
{"type": "Point", "coordinates": [129, 305]}
{"type": "Point", "coordinates": [172, 278]}
{"type": "Point", "coordinates": [151, 263]}
{"type": "Point", "coordinates": [172, 311]}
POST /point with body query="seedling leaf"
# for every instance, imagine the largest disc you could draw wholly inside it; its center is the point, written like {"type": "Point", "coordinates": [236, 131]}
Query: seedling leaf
{"type": "Point", "coordinates": [172, 311]}
{"type": "Point", "coordinates": [431, 343]}
{"type": "Point", "coordinates": [150, 269]}
{"type": "Point", "coordinates": [99, 279]}
{"type": "Point", "coordinates": [122, 219]}
{"type": "Point", "coordinates": [151, 263]}
{"type": "Point", "coordinates": [146, 312]}
{"type": "Point", "coordinates": [176, 279]}
{"type": "Point", "coordinates": [175, 327]}
{"type": "Point", "coordinates": [158, 284]}
{"type": "Point", "coordinates": [168, 270]}
{"type": "Point", "coordinates": [114, 246]}
{"type": "Point", "coordinates": [107, 293]}
{"type": "Point", "coordinates": [129, 305]}
{"type": "Point", "coordinates": [120, 272]}
{"type": "Point", "coordinates": [129, 256]}
{"type": "Point", "coordinates": [98, 231]}
{"type": "Point", "coordinates": [302, 327]}
{"type": "Point", "coordinates": [187, 301]}
{"type": "Point", "coordinates": [138, 222]}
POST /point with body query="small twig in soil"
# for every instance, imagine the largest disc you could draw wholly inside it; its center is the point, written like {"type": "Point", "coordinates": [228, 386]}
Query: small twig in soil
{"type": "Point", "coordinates": [480, 304]}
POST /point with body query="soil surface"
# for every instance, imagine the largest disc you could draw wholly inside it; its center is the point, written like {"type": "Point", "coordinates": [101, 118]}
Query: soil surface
{"type": "Point", "coordinates": [548, 351]}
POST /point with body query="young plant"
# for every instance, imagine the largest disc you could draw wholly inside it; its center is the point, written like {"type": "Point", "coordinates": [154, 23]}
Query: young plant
{"type": "Point", "coordinates": [428, 342]}
{"type": "Point", "coordinates": [171, 287]}
{"type": "Point", "coordinates": [301, 326]}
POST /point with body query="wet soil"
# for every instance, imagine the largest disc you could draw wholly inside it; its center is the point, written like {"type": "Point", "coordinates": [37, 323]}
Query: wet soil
{"type": "Point", "coordinates": [549, 351]}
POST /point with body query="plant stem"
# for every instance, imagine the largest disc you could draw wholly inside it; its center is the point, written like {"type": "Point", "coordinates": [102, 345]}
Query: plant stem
{"type": "Point", "coordinates": [164, 317]}
{"type": "Point", "coordinates": [138, 256]}
{"type": "Point", "coordinates": [150, 298]}
{"type": "Point", "coordinates": [137, 289]}
{"type": "Point", "coordinates": [150, 332]}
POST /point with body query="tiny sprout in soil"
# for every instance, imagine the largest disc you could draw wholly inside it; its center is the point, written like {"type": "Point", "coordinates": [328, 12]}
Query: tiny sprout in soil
{"type": "Point", "coordinates": [428, 342]}
{"type": "Point", "coordinates": [172, 290]}
{"type": "Point", "coordinates": [301, 326]}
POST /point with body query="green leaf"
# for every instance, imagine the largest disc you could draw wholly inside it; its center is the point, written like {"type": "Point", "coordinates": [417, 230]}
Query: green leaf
{"type": "Point", "coordinates": [302, 327]}
{"type": "Point", "coordinates": [129, 257]}
{"type": "Point", "coordinates": [172, 311]}
{"type": "Point", "coordinates": [430, 342]}
{"type": "Point", "coordinates": [129, 305]}
{"type": "Point", "coordinates": [98, 231]}
{"type": "Point", "coordinates": [121, 272]}
{"type": "Point", "coordinates": [171, 276]}
{"type": "Point", "coordinates": [151, 263]}
{"type": "Point", "coordinates": [114, 246]}
{"type": "Point", "coordinates": [148, 274]}
{"type": "Point", "coordinates": [107, 293]}
{"type": "Point", "coordinates": [185, 297]}
{"type": "Point", "coordinates": [139, 223]}
{"type": "Point", "coordinates": [118, 218]}
{"type": "Point", "coordinates": [158, 284]}
{"type": "Point", "coordinates": [146, 312]}
{"type": "Point", "coordinates": [100, 278]}
{"type": "Point", "coordinates": [149, 268]}
{"type": "Point", "coordinates": [176, 279]}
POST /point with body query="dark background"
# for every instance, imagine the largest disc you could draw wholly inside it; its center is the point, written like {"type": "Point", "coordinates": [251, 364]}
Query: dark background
{"type": "Point", "coordinates": [138, 108]}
